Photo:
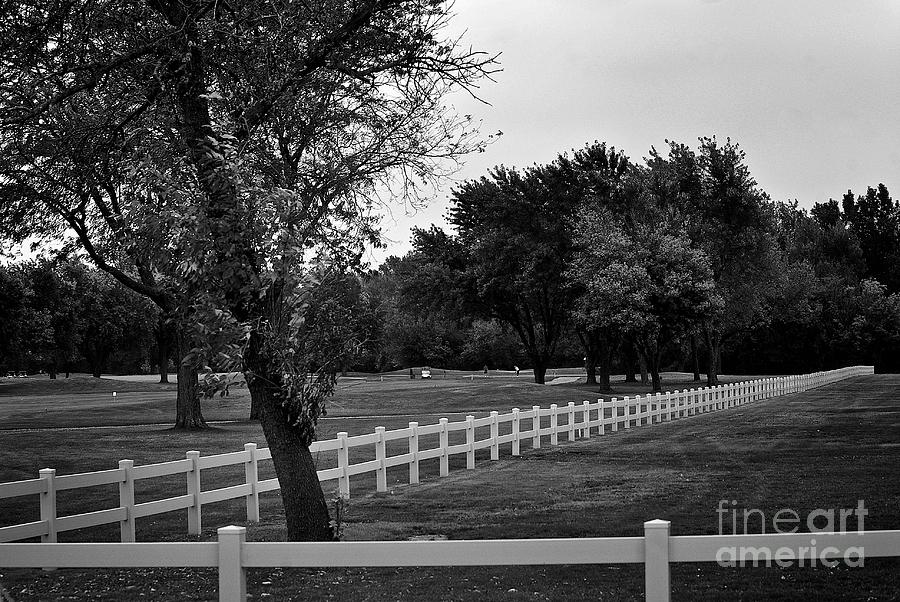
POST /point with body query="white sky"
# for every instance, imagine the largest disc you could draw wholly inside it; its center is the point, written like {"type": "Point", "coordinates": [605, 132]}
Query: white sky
{"type": "Point", "coordinates": [810, 89]}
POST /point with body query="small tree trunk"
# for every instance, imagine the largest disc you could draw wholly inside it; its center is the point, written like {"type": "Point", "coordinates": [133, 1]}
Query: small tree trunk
{"type": "Point", "coordinates": [589, 344]}
{"type": "Point", "coordinates": [305, 508]}
{"type": "Point", "coordinates": [653, 361]}
{"type": "Point", "coordinates": [642, 361]}
{"type": "Point", "coordinates": [695, 357]}
{"type": "Point", "coordinates": [605, 368]}
{"type": "Point", "coordinates": [188, 415]}
{"type": "Point", "coordinates": [629, 360]}
{"type": "Point", "coordinates": [590, 367]}
{"type": "Point", "coordinates": [713, 344]}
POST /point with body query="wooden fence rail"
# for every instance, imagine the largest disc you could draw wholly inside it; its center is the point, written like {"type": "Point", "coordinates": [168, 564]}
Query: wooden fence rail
{"type": "Point", "coordinates": [656, 550]}
{"type": "Point", "coordinates": [571, 422]}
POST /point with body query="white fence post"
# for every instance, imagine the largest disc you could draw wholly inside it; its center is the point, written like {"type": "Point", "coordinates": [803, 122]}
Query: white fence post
{"type": "Point", "coordinates": [195, 522]}
{"type": "Point", "coordinates": [601, 417]}
{"type": "Point", "coordinates": [251, 477]}
{"type": "Point", "coordinates": [627, 407]}
{"type": "Point", "coordinates": [586, 431]}
{"type": "Point", "coordinates": [470, 442]}
{"type": "Point", "coordinates": [414, 452]}
{"type": "Point", "coordinates": [656, 561]}
{"type": "Point", "coordinates": [343, 464]}
{"type": "Point", "coordinates": [126, 500]}
{"type": "Point", "coordinates": [571, 426]}
{"type": "Point", "coordinates": [232, 574]}
{"type": "Point", "coordinates": [515, 431]}
{"type": "Point", "coordinates": [380, 454]}
{"type": "Point", "coordinates": [554, 424]}
{"type": "Point", "coordinates": [48, 504]}
{"type": "Point", "coordinates": [536, 427]}
{"type": "Point", "coordinates": [445, 459]}
{"type": "Point", "coordinates": [495, 435]}
{"type": "Point", "coordinates": [615, 415]}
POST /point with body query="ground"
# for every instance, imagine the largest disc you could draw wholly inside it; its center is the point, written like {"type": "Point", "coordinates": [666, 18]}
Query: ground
{"type": "Point", "coordinates": [826, 448]}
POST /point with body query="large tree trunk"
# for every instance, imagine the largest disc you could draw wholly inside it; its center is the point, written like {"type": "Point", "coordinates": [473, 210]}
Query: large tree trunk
{"type": "Point", "coordinates": [305, 508]}
{"type": "Point", "coordinates": [188, 415]}
{"type": "Point", "coordinates": [254, 407]}
{"type": "Point", "coordinates": [540, 371]}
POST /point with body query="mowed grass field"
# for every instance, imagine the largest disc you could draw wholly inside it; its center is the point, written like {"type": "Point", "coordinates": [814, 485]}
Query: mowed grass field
{"type": "Point", "coordinates": [826, 448]}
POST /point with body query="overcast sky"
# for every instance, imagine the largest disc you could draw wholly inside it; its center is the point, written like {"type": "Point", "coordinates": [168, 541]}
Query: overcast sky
{"type": "Point", "coordinates": [809, 88]}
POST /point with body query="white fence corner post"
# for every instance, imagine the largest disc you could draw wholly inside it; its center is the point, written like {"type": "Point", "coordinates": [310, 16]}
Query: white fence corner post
{"type": "Point", "coordinates": [470, 442]}
{"type": "Point", "coordinates": [232, 574]}
{"type": "Point", "coordinates": [656, 561]}
{"type": "Point", "coordinates": [614, 408]}
{"type": "Point", "coordinates": [251, 477]}
{"type": "Point", "coordinates": [515, 431]}
{"type": "Point", "coordinates": [495, 435]}
{"type": "Point", "coordinates": [536, 427]}
{"type": "Point", "coordinates": [380, 455]}
{"type": "Point", "coordinates": [554, 424]}
{"type": "Point", "coordinates": [126, 500]}
{"type": "Point", "coordinates": [445, 443]}
{"type": "Point", "coordinates": [194, 511]}
{"type": "Point", "coordinates": [343, 466]}
{"type": "Point", "coordinates": [414, 452]}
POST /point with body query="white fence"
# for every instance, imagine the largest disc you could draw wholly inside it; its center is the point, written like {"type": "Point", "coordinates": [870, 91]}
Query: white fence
{"type": "Point", "coordinates": [233, 555]}
{"type": "Point", "coordinates": [571, 421]}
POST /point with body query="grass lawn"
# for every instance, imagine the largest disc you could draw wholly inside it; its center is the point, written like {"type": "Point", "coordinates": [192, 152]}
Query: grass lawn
{"type": "Point", "coordinates": [826, 448]}
{"type": "Point", "coordinates": [38, 402]}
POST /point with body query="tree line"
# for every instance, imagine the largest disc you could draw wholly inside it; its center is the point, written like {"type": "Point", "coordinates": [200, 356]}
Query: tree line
{"type": "Point", "coordinates": [679, 261]}
{"type": "Point", "coordinates": [673, 263]}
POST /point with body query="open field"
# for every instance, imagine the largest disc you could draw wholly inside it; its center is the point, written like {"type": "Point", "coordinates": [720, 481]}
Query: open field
{"type": "Point", "coordinates": [38, 402]}
{"type": "Point", "coordinates": [826, 448]}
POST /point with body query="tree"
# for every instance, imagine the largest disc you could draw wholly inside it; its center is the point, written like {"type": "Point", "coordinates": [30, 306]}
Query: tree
{"type": "Point", "coordinates": [262, 129]}
{"type": "Point", "coordinates": [648, 282]}
{"type": "Point", "coordinates": [713, 196]}
{"type": "Point", "coordinates": [600, 177]}
{"type": "Point", "coordinates": [874, 219]}
{"type": "Point", "coordinates": [513, 229]}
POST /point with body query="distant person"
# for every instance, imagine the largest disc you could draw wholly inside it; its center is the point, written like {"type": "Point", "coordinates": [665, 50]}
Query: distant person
{"type": "Point", "coordinates": [485, 369]}
{"type": "Point", "coordinates": [516, 368]}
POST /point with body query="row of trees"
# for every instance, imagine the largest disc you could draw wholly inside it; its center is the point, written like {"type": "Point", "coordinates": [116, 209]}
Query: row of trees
{"type": "Point", "coordinates": [653, 263]}
{"type": "Point", "coordinates": [63, 316]}
{"type": "Point", "coordinates": [670, 263]}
